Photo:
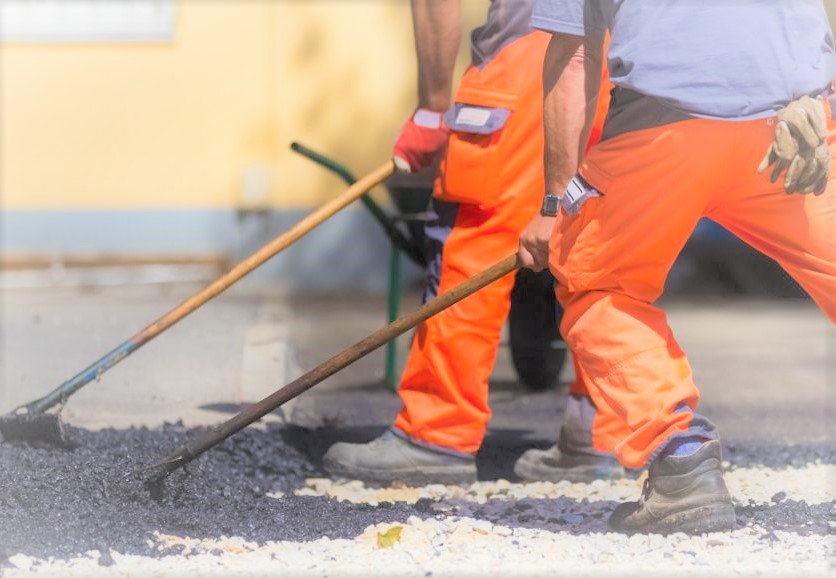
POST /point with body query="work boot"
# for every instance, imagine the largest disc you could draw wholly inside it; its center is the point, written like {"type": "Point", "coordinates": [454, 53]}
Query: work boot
{"type": "Point", "coordinates": [393, 458]}
{"type": "Point", "coordinates": [557, 464]}
{"type": "Point", "coordinates": [681, 494]}
{"type": "Point", "coordinates": [573, 458]}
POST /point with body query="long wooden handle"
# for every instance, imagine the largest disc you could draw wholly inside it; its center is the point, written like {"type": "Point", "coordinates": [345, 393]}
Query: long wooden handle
{"type": "Point", "coordinates": [277, 245]}
{"type": "Point", "coordinates": [188, 452]}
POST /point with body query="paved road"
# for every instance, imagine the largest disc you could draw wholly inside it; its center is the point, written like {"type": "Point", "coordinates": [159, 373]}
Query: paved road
{"type": "Point", "coordinates": [767, 369]}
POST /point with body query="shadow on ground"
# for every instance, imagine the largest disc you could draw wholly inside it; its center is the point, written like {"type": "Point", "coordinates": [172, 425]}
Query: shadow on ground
{"type": "Point", "coordinates": [494, 461]}
{"type": "Point", "coordinates": [64, 503]}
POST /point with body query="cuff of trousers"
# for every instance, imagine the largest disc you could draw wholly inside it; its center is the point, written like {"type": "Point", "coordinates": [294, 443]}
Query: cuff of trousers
{"type": "Point", "coordinates": [432, 447]}
{"type": "Point", "coordinates": [700, 426]}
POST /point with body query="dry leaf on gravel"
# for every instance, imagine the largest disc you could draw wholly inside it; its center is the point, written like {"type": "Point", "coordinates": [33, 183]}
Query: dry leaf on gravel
{"type": "Point", "coordinates": [390, 537]}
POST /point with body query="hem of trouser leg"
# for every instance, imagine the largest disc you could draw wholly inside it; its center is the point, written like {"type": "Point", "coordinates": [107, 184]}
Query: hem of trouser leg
{"type": "Point", "coordinates": [697, 431]}
{"type": "Point", "coordinates": [569, 451]}
{"type": "Point", "coordinates": [431, 447]}
{"type": "Point", "coordinates": [586, 451]}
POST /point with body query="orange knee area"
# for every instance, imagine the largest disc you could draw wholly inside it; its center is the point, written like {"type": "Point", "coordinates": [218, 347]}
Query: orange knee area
{"type": "Point", "coordinates": [445, 384]}
{"type": "Point", "coordinates": [613, 258]}
{"type": "Point", "coordinates": [444, 387]}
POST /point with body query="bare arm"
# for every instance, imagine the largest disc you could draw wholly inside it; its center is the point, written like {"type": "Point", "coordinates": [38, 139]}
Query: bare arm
{"type": "Point", "coordinates": [437, 26]}
{"type": "Point", "coordinates": [571, 81]}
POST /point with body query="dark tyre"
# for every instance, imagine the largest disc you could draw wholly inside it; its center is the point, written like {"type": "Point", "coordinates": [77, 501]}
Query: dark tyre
{"type": "Point", "coordinates": [537, 350]}
{"type": "Point", "coordinates": [411, 194]}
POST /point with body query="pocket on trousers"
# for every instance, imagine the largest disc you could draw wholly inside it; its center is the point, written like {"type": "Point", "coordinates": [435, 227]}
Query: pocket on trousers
{"type": "Point", "coordinates": [574, 262]}
{"type": "Point", "coordinates": [471, 170]}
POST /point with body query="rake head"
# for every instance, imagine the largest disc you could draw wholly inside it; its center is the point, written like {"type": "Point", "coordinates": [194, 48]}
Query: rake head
{"type": "Point", "coordinates": [36, 429]}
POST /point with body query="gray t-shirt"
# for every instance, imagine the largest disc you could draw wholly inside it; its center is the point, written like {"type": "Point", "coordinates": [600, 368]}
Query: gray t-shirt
{"type": "Point", "coordinates": [727, 59]}
{"type": "Point", "coordinates": [507, 20]}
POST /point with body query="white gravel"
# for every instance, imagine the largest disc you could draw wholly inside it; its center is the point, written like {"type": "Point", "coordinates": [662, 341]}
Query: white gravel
{"type": "Point", "coordinates": [455, 544]}
{"type": "Point", "coordinates": [462, 546]}
{"type": "Point", "coordinates": [813, 483]}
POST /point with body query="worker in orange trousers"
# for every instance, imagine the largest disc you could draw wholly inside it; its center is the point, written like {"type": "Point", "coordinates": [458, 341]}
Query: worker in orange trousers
{"type": "Point", "coordinates": [684, 139]}
{"type": "Point", "coordinates": [488, 188]}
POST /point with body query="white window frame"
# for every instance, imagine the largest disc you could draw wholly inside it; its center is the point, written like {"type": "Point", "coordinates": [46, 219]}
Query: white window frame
{"type": "Point", "coordinates": [87, 20]}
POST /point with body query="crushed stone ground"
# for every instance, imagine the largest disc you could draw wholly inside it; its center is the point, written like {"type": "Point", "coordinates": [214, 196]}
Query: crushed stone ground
{"type": "Point", "coordinates": [62, 504]}
{"type": "Point", "coordinates": [259, 504]}
{"type": "Point", "coordinates": [812, 483]}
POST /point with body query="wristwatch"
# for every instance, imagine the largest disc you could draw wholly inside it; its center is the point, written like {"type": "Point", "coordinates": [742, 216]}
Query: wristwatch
{"type": "Point", "coordinates": [551, 205]}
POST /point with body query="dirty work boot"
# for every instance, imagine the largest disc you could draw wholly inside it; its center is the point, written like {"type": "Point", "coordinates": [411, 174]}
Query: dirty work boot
{"type": "Point", "coordinates": [557, 464]}
{"type": "Point", "coordinates": [392, 458]}
{"type": "Point", "coordinates": [681, 494]}
{"type": "Point", "coordinates": [573, 458]}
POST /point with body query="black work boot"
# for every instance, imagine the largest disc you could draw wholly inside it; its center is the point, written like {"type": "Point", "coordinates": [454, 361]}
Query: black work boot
{"type": "Point", "coordinates": [681, 494]}
{"type": "Point", "coordinates": [573, 459]}
{"type": "Point", "coordinates": [392, 458]}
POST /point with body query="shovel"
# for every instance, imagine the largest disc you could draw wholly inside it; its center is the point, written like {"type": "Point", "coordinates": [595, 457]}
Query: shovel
{"type": "Point", "coordinates": [31, 423]}
{"type": "Point", "coordinates": [188, 452]}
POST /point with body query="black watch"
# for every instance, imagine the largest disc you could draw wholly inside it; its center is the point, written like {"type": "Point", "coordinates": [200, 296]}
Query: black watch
{"type": "Point", "coordinates": [551, 205]}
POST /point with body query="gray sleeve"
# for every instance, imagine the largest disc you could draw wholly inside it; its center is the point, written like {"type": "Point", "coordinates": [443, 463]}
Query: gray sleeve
{"type": "Point", "coordinates": [559, 16]}
{"type": "Point", "coordinates": [575, 17]}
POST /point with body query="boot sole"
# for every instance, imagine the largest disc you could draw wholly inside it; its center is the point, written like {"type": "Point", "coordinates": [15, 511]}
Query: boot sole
{"type": "Point", "coordinates": [700, 520]}
{"type": "Point", "coordinates": [447, 475]}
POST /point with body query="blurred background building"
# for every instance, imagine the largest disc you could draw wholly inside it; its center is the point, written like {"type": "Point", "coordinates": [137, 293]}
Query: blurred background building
{"type": "Point", "coordinates": [155, 130]}
{"type": "Point", "coordinates": [142, 132]}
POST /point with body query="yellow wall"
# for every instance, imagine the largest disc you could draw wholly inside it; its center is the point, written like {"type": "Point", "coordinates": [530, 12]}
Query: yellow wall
{"type": "Point", "coordinates": [176, 124]}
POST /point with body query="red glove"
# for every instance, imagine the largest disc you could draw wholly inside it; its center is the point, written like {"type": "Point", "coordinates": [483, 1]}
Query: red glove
{"type": "Point", "coordinates": [421, 138]}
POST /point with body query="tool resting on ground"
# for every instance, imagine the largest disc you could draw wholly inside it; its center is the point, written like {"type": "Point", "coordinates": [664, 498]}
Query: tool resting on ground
{"type": "Point", "coordinates": [30, 422]}
{"type": "Point", "coordinates": [216, 435]}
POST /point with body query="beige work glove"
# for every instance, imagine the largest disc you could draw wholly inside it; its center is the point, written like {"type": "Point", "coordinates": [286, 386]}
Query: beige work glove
{"type": "Point", "coordinates": [800, 147]}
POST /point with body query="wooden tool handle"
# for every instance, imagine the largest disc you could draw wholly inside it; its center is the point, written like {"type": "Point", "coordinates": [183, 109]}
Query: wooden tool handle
{"type": "Point", "coordinates": [280, 243]}
{"type": "Point", "coordinates": [188, 452]}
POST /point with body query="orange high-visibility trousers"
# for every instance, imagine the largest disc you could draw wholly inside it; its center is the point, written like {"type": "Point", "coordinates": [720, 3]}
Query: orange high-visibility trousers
{"type": "Point", "coordinates": [611, 260]}
{"type": "Point", "coordinates": [495, 186]}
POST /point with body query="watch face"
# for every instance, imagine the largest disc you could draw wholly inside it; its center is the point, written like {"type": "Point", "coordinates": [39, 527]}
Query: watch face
{"type": "Point", "coordinates": [551, 204]}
